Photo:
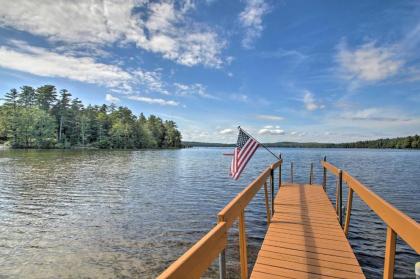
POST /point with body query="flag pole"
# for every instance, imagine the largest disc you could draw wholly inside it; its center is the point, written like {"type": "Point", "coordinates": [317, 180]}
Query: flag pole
{"type": "Point", "coordinates": [278, 158]}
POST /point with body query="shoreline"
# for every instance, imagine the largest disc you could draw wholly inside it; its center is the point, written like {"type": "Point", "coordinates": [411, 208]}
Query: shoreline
{"type": "Point", "coordinates": [4, 148]}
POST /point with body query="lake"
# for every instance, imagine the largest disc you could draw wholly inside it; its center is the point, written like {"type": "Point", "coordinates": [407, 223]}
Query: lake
{"type": "Point", "coordinates": [119, 214]}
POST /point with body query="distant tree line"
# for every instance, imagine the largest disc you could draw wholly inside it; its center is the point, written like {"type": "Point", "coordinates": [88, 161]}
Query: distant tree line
{"type": "Point", "coordinates": [41, 118]}
{"type": "Point", "coordinates": [411, 142]}
{"type": "Point", "coordinates": [399, 143]}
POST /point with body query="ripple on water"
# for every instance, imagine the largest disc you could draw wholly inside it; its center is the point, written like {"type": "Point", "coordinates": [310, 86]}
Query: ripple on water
{"type": "Point", "coordinates": [103, 214]}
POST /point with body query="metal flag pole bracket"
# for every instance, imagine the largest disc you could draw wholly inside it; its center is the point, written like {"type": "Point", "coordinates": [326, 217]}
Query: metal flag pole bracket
{"type": "Point", "coordinates": [278, 158]}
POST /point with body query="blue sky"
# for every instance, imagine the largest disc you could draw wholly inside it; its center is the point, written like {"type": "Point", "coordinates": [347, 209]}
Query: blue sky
{"type": "Point", "coordinates": [327, 71]}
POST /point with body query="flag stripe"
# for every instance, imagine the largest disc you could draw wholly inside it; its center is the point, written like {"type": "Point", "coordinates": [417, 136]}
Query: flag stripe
{"type": "Point", "coordinates": [233, 164]}
{"type": "Point", "coordinates": [244, 155]}
{"type": "Point", "coordinates": [242, 167]}
{"type": "Point", "coordinates": [251, 150]}
{"type": "Point", "coordinates": [245, 148]}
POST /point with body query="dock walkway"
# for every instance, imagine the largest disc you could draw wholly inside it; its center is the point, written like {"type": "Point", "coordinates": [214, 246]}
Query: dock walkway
{"type": "Point", "coordinates": [304, 239]}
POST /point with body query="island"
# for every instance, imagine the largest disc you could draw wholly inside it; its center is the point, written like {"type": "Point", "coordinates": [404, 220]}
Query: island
{"type": "Point", "coordinates": [41, 118]}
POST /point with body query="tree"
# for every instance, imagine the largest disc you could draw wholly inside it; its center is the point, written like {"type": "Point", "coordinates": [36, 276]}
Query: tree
{"type": "Point", "coordinates": [38, 119]}
{"type": "Point", "coordinates": [155, 125]}
{"type": "Point", "coordinates": [10, 112]}
{"type": "Point", "coordinates": [11, 99]}
{"type": "Point", "coordinates": [46, 97]}
{"type": "Point", "coordinates": [43, 129]}
{"type": "Point", "coordinates": [102, 128]}
{"type": "Point", "coordinates": [123, 124]}
{"type": "Point", "coordinates": [3, 124]}
{"type": "Point", "coordinates": [27, 97]}
{"type": "Point", "coordinates": [61, 112]}
{"type": "Point", "coordinates": [172, 135]}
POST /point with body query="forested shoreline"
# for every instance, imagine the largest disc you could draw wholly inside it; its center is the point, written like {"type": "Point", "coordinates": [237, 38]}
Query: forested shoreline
{"type": "Point", "coordinates": [42, 118]}
{"type": "Point", "coordinates": [410, 142]}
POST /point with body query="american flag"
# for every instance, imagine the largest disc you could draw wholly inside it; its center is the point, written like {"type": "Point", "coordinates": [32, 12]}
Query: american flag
{"type": "Point", "coordinates": [245, 148]}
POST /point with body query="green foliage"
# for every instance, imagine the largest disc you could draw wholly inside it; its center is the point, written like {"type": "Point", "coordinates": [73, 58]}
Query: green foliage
{"type": "Point", "coordinates": [399, 143]}
{"type": "Point", "coordinates": [46, 97]}
{"type": "Point", "coordinates": [30, 128]}
{"type": "Point", "coordinates": [412, 142]}
{"type": "Point", "coordinates": [37, 118]}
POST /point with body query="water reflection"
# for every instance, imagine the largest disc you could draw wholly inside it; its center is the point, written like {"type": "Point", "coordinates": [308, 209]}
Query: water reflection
{"type": "Point", "coordinates": [115, 214]}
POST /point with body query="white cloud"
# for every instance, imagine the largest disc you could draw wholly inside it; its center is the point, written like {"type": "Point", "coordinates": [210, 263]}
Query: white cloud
{"type": "Point", "coordinates": [111, 99]}
{"type": "Point", "coordinates": [269, 117]}
{"type": "Point", "coordinates": [156, 101]}
{"type": "Point", "coordinates": [371, 122]}
{"type": "Point", "coordinates": [42, 62]}
{"type": "Point", "coordinates": [376, 115]}
{"type": "Point", "coordinates": [226, 131]}
{"type": "Point", "coordinates": [368, 63]}
{"type": "Point", "coordinates": [161, 28]}
{"type": "Point", "coordinates": [152, 81]}
{"type": "Point", "coordinates": [309, 101]}
{"type": "Point", "coordinates": [251, 20]}
{"type": "Point", "coordinates": [283, 53]}
{"type": "Point", "coordinates": [196, 89]}
{"type": "Point", "coordinates": [271, 130]}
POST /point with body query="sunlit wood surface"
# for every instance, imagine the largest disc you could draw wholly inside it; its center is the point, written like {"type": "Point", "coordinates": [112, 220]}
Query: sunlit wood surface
{"type": "Point", "coordinates": [304, 239]}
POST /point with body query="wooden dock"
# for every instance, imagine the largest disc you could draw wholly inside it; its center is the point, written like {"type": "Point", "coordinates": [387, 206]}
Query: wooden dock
{"type": "Point", "coordinates": [304, 239]}
{"type": "Point", "coordinates": [306, 234]}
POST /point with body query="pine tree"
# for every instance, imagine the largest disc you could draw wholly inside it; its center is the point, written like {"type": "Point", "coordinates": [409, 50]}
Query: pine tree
{"type": "Point", "coordinates": [62, 109]}
{"type": "Point", "coordinates": [46, 97]}
{"type": "Point", "coordinates": [11, 99]}
{"type": "Point", "coordinates": [27, 96]}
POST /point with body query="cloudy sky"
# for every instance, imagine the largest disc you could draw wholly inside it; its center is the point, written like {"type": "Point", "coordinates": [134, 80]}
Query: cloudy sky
{"type": "Point", "coordinates": [327, 71]}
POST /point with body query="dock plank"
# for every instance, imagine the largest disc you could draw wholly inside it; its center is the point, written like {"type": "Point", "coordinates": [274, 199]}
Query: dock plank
{"type": "Point", "coordinates": [304, 239]}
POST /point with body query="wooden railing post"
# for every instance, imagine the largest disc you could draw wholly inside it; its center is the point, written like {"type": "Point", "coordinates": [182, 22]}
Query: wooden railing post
{"type": "Point", "coordinates": [222, 264]}
{"type": "Point", "coordinates": [348, 211]}
{"type": "Point", "coordinates": [336, 195]}
{"type": "Point", "coordinates": [291, 172]}
{"type": "Point", "coordinates": [272, 190]}
{"type": "Point", "coordinates": [324, 177]}
{"type": "Point", "coordinates": [243, 254]}
{"type": "Point", "coordinates": [391, 238]}
{"type": "Point", "coordinates": [280, 171]}
{"type": "Point", "coordinates": [339, 197]}
{"type": "Point", "coordinates": [267, 206]}
{"type": "Point", "coordinates": [311, 174]}
{"type": "Point", "coordinates": [398, 224]}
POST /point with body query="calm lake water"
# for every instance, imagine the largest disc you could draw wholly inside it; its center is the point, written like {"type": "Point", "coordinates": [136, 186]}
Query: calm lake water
{"type": "Point", "coordinates": [122, 214]}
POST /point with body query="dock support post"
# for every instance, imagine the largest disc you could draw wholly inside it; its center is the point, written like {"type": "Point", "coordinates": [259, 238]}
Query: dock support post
{"type": "Point", "coordinates": [267, 206]}
{"type": "Point", "coordinates": [243, 254]}
{"type": "Point", "coordinates": [348, 211]}
{"type": "Point", "coordinates": [272, 190]}
{"type": "Point", "coordinates": [280, 170]}
{"type": "Point", "coordinates": [340, 197]}
{"type": "Point", "coordinates": [324, 177]}
{"type": "Point", "coordinates": [291, 172]}
{"type": "Point", "coordinates": [311, 174]}
{"type": "Point", "coordinates": [391, 238]}
{"type": "Point", "coordinates": [222, 264]}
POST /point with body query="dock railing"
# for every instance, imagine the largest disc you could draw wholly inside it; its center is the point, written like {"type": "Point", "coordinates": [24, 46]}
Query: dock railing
{"type": "Point", "coordinates": [398, 224]}
{"type": "Point", "coordinates": [195, 261]}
